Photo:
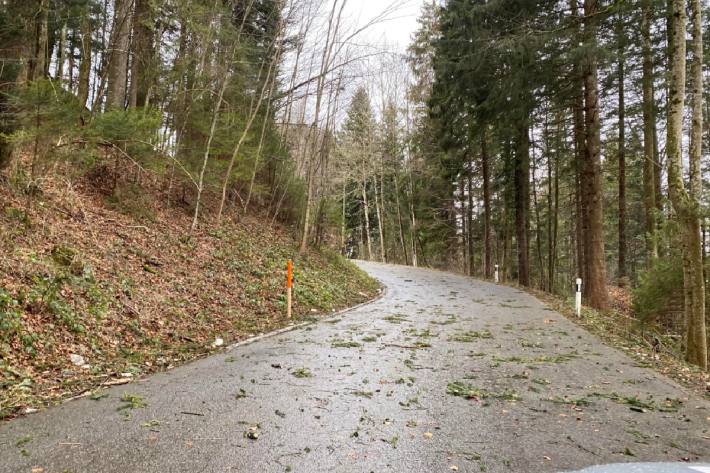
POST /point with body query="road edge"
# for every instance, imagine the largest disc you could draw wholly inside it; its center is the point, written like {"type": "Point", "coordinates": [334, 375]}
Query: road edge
{"type": "Point", "coordinates": [316, 318]}
{"type": "Point", "coordinates": [319, 318]}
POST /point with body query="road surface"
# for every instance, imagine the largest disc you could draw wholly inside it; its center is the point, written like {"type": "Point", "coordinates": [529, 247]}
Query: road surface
{"type": "Point", "coordinates": [444, 373]}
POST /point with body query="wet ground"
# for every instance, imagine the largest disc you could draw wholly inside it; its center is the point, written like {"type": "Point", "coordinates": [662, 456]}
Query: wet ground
{"type": "Point", "coordinates": [442, 374]}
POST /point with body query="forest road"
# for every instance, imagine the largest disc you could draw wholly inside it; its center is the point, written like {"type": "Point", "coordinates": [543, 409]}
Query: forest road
{"type": "Point", "coordinates": [374, 390]}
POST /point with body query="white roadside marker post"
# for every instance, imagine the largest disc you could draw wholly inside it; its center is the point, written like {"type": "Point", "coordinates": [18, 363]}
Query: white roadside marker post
{"type": "Point", "coordinates": [289, 284]}
{"type": "Point", "coordinates": [496, 275]}
{"type": "Point", "coordinates": [578, 297]}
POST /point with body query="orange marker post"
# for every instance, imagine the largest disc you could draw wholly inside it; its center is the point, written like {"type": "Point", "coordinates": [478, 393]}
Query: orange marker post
{"type": "Point", "coordinates": [289, 285]}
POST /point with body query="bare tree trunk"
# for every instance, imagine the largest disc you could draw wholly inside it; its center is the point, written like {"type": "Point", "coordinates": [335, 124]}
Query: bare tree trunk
{"type": "Point", "coordinates": [487, 269]}
{"type": "Point", "coordinates": [72, 60]}
{"type": "Point", "coordinates": [38, 61]}
{"type": "Point", "coordinates": [400, 223]}
{"type": "Point", "coordinates": [596, 291]}
{"type": "Point", "coordinates": [685, 202]}
{"type": "Point", "coordinates": [622, 280]}
{"type": "Point", "coordinates": [208, 145]}
{"type": "Point", "coordinates": [342, 221]}
{"type": "Point", "coordinates": [413, 218]}
{"type": "Point", "coordinates": [307, 19]}
{"type": "Point", "coordinates": [243, 136]}
{"type": "Point", "coordinates": [577, 237]}
{"type": "Point", "coordinates": [649, 131]}
{"type": "Point", "coordinates": [580, 147]}
{"type": "Point", "coordinates": [522, 200]}
{"type": "Point", "coordinates": [555, 218]}
{"type": "Point", "coordinates": [380, 223]}
{"type": "Point", "coordinates": [550, 238]}
{"type": "Point", "coordinates": [507, 249]}
{"type": "Point", "coordinates": [469, 221]}
{"type": "Point", "coordinates": [538, 226]}
{"type": "Point", "coordinates": [61, 54]}
{"type": "Point", "coordinates": [366, 211]}
{"type": "Point", "coordinates": [658, 171]}
{"type": "Point", "coordinates": [259, 148]}
{"type": "Point", "coordinates": [143, 52]}
{"type": "Point", "coordinates": [118, 62]}
{"type": "Point", "coordinates": [464, 222]}
{"type": "Point", "coordinates": [85, 64]}
{"type": "Point", "coordinates": [580, 151]}
{"type": "Point", "coordinates": [383, 209]}
{"type": "Point", "coordinates": [333, 27]}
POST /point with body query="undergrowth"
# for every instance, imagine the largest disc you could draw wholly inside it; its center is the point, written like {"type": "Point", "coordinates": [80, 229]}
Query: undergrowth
{"type": "Point", "coordinates": [131, 290]}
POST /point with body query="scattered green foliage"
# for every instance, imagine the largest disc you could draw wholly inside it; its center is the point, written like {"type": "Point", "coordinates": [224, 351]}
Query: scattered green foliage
{"type": "Point", "coordinates": [10, 316]}
{"type": "Point", "coordinates": [98, 395]}
{"type": "Point", "coordinates": [461, 389]}
{"type": "Point", "coordinates": [21, 444]}
{"type": "Point", "coordinates": [561, 358]}
{"type": "Point", "coordinates": [528, 344]}
{"type": "Point", "coordinates": [470, 336]}
{"type": "Point", "coordinates": [132, 401]}
{"type": "Point", "coordinates": [302, 373]}
{"type": "Point", "coordinates": [47, 292]}
{"type": "Point", "coordinates": [338, 343]}
{"type": "Point", "coordinates": [634, 402]}
{"type": "Point", "coordinates": [578, 402]}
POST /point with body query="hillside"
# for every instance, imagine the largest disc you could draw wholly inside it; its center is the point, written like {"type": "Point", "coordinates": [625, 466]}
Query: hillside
{"type": "Point", "coordinates": [90, 294]}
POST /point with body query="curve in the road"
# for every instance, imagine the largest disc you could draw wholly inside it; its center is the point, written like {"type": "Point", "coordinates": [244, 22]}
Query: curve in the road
{"type": "Point", "coordinates": [444, 373]}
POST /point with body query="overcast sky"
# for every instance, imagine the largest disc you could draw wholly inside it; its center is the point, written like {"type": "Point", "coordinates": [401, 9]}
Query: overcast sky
{"type": "Point", "coordinates": [396, 31]}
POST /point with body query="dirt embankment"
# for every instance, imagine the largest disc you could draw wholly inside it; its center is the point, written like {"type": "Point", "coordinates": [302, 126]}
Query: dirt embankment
{"type": "Point", "coordinates": [91, 294]}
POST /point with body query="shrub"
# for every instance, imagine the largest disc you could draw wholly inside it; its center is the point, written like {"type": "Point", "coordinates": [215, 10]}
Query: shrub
{"type": "Point", "coordinates": [659, 290]}
{"type": "Point", "coordinates": [47, 293]}
{"type": "Point", "coordinates": [129, 129]}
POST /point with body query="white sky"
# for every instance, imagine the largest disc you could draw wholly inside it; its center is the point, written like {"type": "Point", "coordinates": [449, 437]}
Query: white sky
{"type": "Point", "coordinates": [396, 31]}
{"type": "Point", "coordinates": [379, 48]}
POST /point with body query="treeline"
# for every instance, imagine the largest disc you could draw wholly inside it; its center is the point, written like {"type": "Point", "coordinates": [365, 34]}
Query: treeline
{"type": "Point", "coordinates": [231, 105]}
{"type": "Point", "coordinates": [185, 92]}
{"type": "Point", "coordinates": [556, 139]}
{"type": "Point", "coordinates": [564, 139]}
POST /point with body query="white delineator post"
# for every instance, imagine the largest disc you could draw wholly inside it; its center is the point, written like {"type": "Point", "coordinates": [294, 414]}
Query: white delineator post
{"type": "Point", "coordinates": [578, 297]}
{"type": "Point", "coordinates": [289, 284]}
{"type": "Point", "coordinates": [496, 275]}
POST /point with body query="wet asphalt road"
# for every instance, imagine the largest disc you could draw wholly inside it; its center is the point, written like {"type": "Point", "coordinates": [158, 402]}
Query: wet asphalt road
{"type": "Point", "coordinates": [367, 391]}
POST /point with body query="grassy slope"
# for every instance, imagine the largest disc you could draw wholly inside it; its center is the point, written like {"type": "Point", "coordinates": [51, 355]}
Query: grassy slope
{"type": "Point", "coordinates": [131, 297]}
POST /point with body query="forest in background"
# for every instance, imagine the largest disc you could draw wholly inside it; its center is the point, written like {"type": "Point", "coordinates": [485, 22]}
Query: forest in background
{"type": "Point", "coordinates": [557, 139]}
{"type": "Point", "coordinates": [567, 139]}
